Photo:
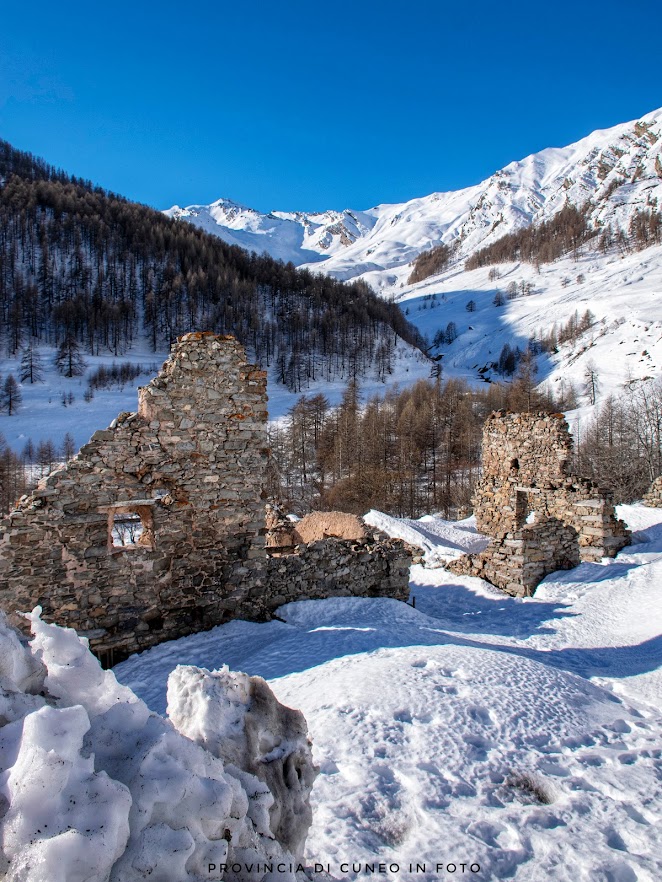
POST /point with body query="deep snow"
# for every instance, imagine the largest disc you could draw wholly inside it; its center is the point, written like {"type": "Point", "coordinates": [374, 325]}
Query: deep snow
{"type": "Point", "coordinates": [519, 734]}
{"type": "Point", "coordinates": [95, 788]}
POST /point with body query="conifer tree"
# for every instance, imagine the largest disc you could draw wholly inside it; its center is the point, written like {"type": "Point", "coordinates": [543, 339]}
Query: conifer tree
{"type": "Point", "coordinates": [69, 360]}
{"type": "Point", "coordinates": [32, 370]}
{"type": "Point", "coordinates": [10, 395]}
{"type": "Point", "coordinates": [68, 446]}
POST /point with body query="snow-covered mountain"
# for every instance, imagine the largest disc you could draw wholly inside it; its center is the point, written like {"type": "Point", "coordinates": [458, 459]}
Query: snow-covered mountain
{"type": "Point", "coordinates": [612, 174]}
{"type": "Point", "coordinates": [618, 169]}
{"type": "Point", "coordinates": [290, 236]}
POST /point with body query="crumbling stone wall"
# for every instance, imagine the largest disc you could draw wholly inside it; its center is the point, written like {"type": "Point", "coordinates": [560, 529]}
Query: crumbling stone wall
{"type": "Point", "coordinates": [156, 529]}
{"type": "Point", "coordinates": [374, 566]}
{"type": "Point", "coordinates": [653, 498]}
{"type": "Point", "coordinates": [189, 467]}
{"type": "Point", "coordinates": [541, 517]}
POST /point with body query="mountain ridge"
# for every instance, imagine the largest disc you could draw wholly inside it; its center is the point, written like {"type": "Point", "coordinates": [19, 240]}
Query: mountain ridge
{"type": "Point", "coordinates": [617, 167]}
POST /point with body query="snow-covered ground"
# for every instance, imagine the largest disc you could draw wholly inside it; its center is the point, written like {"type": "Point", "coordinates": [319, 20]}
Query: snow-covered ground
{"type": "Point", "coordinates": [520, 735]}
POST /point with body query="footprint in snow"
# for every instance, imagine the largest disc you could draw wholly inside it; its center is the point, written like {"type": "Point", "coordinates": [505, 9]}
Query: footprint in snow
{"type": "Point", "coordinates": [480, 715]}
{"type": "Point", "coordinates": [402, 716]}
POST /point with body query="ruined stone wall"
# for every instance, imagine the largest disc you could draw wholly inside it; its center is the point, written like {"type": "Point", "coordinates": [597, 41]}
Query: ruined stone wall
{"type": "Point", "coordinates": [188, 468]}
{"type": "Point", "coordinates": [653, 499]}
{"type": "Point", "coordinates": [156, 529]}
{"type": "Point", "coordinates": [526, 475]}
{"type": "Point", "coordinates": [520, 559]}
{"type": "Point", "coordinates": [541, 518]}
{"type": "Point", "coordinates": [375, 566]}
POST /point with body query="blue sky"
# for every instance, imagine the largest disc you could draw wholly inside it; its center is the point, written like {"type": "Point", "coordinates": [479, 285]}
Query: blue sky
{"type": "Point", "coordinates": [290, 105]}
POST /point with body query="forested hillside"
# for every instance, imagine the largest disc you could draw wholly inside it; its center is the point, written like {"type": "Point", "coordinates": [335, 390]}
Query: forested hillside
{"type": "Point", "coordinates": [79, 263]}
{"type": "Point", "coordinates": [565, 233]}
{"type": "Point", "coordinates": [406, 452]}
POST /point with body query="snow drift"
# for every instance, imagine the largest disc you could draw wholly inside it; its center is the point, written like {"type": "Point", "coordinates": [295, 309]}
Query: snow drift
{"type": "Point", "coordinates": [93, 785]}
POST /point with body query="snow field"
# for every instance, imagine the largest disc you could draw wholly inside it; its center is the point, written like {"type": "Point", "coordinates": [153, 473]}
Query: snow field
{"type": "Point", "coordinates": [519, 734]}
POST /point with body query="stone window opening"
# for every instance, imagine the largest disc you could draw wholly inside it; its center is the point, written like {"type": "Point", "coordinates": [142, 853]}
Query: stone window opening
{"type": "Point", "coordinates": [130, 527]}
{"type": "Point", "coordinates": [514, 464]}
{"type": "Point", "coordinates": [522, 508]}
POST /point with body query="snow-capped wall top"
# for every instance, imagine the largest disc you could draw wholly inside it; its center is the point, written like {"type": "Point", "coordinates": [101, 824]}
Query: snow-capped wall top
{"type": "Point", "coordinates": [618, 169]}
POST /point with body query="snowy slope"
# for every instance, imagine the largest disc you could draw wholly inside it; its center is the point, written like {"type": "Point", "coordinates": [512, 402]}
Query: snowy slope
{"type": "Point", "coordinates": [289, 236]}
{"type": "Point", "coordinates": [522, 735]}
{"type": "Point", "coordinates": [623, 292]}
{"type": "Point", "coordinates": [523, 193]}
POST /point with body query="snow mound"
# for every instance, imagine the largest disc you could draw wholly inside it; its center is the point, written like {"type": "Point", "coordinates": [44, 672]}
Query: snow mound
{"type": "Point", "coordinates": [94, 786]}
{"type": "Point", "coordinates": [439, 540]}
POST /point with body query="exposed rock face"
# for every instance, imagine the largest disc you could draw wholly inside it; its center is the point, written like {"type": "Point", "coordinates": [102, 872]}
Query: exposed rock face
{"type": "Point", "coordinates": [156, 529]}
{"type": "Point", "coordinates": [653, 499]}
{"type": "Point", "coordinates": [541, 518]}
{"type": "Point", "coordinates": [239, 720]}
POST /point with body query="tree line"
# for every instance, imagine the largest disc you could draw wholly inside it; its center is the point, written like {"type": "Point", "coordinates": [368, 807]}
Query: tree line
{"type": "Point", "coordinates": [565, 231]}
{"type": "Point", "coordinates": [83, 265]}
{"type": "Point", "coordinates": [415, 451]}
{"type": "Point", "coordinates": [407, 452]}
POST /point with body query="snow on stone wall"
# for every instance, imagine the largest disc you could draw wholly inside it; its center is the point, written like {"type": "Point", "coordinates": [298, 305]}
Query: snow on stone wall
{"type": "Point", "coordinates": [95, 786]}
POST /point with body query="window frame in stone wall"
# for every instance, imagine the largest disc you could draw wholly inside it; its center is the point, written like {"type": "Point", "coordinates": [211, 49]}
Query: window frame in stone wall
{"type": "Point", "coordinates": [143, 508]}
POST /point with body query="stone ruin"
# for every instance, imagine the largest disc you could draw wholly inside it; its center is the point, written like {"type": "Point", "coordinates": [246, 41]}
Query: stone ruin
{"type": "Point", "coordinates": [540, 517]}
{"type": "Point", "coordinates": [653, 498]}
{"type": "Point", "coordinates": [156, 529]}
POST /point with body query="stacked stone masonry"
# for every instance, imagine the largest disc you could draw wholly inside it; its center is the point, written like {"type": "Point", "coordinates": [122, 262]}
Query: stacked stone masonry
{"type": "Point", "coordinates": [653, 499]}
{"type": "Point", "coordinates": [541, 518]}
{"type": "Point", "coordinates": [156, 529]}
